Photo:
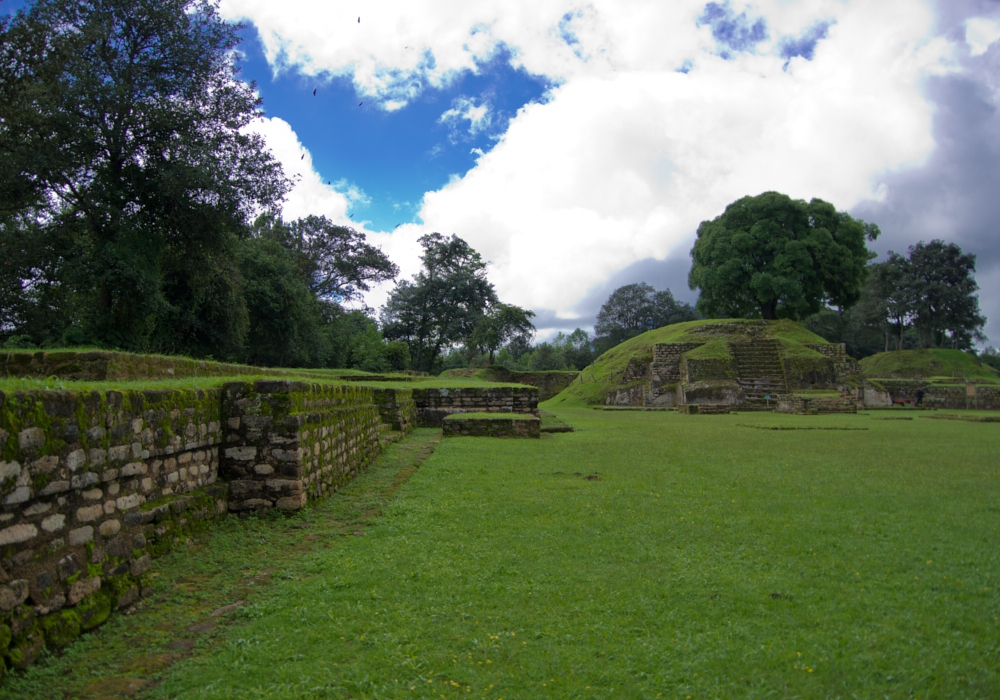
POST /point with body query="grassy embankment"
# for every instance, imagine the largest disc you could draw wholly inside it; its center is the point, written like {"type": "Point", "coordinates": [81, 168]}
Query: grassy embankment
{"type": "Point", "coordinates": [938, 365]}
{"type": "Point", "coordinates": [643, 554]}
{"type": "Point", "coordinates": [594, 382]}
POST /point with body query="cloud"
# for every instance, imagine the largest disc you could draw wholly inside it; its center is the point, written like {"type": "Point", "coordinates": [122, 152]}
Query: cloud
{"type": "Point", "coordinates": [980, 33]}
{"type": "Point", "coordinates": [466, 109]}
{"type": "Point", "coordinates": [309, 195]}
{"type": "Point", "coordinates": [628, 154]}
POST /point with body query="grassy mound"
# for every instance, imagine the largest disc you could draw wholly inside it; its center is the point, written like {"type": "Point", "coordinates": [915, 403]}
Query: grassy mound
{"type": "Point", "coordinates": [605, 374]}
{"type": "Point", "coordinates": [932, 363]}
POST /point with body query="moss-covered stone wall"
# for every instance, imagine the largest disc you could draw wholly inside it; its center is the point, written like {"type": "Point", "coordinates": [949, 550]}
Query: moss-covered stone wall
{"type": "Point", "coordinates": [458, 425]}
{"type": "Point", "coordinates": [93, 485]}
{"type": "Point", "coordinates": [432, 405]}
{"type": "Point", "coordinates": [396, 408]}
{"type": "Point", "coordinates": [106, 365]}
{"type": "Point", "coordinates": [290, 441]}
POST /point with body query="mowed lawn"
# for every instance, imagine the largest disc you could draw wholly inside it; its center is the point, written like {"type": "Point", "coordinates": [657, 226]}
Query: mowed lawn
{"type": "Point", "coordinates": [702, 558]}
{"type": "Point", "coordinates": [648, 555]}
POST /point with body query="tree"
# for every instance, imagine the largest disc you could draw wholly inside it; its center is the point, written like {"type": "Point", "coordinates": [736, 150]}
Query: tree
{"type": "Point", "coordinates": [943, 287]}
{"type": "Point", "coordinates": [443, 303]}
{"type": "Point", "coordinates": [634, 309]}
{"type": "Point", "coordinates": [501, 324]}
{"type": "Point", "coordinates": [336, 262]}
{"type": "Point", "coordinates": [123, 141]}
{"type": "Point", "coordinates": [769, 256]}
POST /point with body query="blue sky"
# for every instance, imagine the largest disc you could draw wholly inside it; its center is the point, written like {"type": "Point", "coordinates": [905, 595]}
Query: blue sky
{"type": "Point", "coordinates": [394, 157]}
{"type": "Point", "coordinates": [577, 145]}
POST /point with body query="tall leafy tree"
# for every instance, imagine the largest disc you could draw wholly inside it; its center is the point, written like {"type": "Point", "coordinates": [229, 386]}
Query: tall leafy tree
{"type": "Point", "coordinates": [943, 288]}
{"type": "Point", "coordinates": [501, 324]}
{"type": "Point", "coordinates": [337, 262]}
{"type": "Point", "coordinates": [634, 309]}
{"type": "Point", "coordinates": [769, 256]}
{"type": "Point", "coordinates": [443, 303]}
{"type": "Point", "coordinates": [123, 140]}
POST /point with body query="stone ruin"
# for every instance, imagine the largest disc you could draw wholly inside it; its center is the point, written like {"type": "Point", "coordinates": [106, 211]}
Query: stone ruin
{"type": "Point", "coordinates": [737, 365]}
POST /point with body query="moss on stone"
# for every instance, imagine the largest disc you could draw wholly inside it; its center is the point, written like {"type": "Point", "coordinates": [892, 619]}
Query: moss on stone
{"type": "Point", "coordinates": [61, 628]}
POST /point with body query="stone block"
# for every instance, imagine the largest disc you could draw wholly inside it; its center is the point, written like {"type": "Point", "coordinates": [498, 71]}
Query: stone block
{"type": "Point", "coordinates": [82, 481]}
{"type": "Point", "coordinates": [141, 565]}
{"type": "Point", "coordinates": [54, 487]}
{"type": "Point", "coordinates": [9, 470]}
{"type": "Point", "coordinates": [291, 502]}
{"type": "Point", "coordinates": [54, 522]}
{"type": "Point", "coordinates": [13, 594]}
{"type": "Point", "coordinates": [89, 513]}
{"type": "Point", "coordinates": [92, 495]}
{"type": "Point", "coordinates": [244, 453]}
{"type": "Point", "coordinates": [15, 534]}
{"type": "Point", "coordinates": [83, 588]}
{"type": "Point", "coordinates": [134, 469]}
{"type": "Point", "coordinates": [31, 437]}
{"type": "Point", "coordinates": [109, 528]}
{"type": "Point", "coordinates": [22, 494]}
{"type": "Point", "coordinates": [81, 535]}
{"type": "Point", "coordinates": [45, 465]}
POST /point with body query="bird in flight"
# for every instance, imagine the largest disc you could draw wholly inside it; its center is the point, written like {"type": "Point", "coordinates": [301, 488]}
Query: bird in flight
{"type": "Point", "coordinates": [360, 103]}
{"type": "Point", "coordinates": [303, 157]}
{"type": "Point", "coordinates": [359, 20]}
{"type": "Point", "coordinates": [328, 182]}
{"type": "Point", "coordinates": [396, 226]}
{"type": "Point", "coordinates": [314, 92]}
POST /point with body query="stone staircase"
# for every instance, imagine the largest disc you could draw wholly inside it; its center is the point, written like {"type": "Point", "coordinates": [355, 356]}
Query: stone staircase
{"type": "Point", "coordinates": [759, 369]}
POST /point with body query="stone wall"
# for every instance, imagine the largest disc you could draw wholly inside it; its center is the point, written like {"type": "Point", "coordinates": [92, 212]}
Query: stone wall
{"type": "Point", "coordinates": [396, 408]}
{"type": "Point", "coordinates": [457, 425]}
{"type": "Point", "coordinates": [102, 365]}
{"type": "Point", "coordinates": [93, 485]}
{"type": "Point", "coordinates": [432, 405]}
{"type": "Point", "coordinates": [955, 396]}
{"type": "Point", "coordinates": [666, 367]}
{"type": "Point", "coordinates": [706, 369]}
{"type": "Point", "coordinates": [288, 441]}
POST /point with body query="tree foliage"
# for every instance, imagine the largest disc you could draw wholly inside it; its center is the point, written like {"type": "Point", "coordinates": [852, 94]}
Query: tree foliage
{"type": "Point", "coordinates": [123, 150]}
{"type": "Point", "coordinates": [442, 304]}
{"type": "Point", "coordinates": [926, 298]}
{"type": "Point", "coordinates": [769, 256]}
{"type": "Point", "coordinates": [500, 325]}
{"type": "Point", "coordinates": [634, 309]}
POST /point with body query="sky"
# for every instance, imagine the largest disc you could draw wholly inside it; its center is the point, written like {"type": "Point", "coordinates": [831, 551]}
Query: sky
{"type": "Point", "coordinates": [578, 144]}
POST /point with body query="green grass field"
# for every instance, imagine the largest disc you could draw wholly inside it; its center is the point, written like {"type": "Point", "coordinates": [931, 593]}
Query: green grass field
{"type": "Point", "coordinates": [643, 555]}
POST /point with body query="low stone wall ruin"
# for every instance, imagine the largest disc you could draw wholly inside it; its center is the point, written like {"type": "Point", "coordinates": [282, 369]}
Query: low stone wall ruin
{"type": "Point", "coordinates": [456, 425]}
{"type": "Point", "coordinates": [94, 485]}
{"type": "Point", "coordinates": [432, 405]}
{"type": "Point", "coordinates": [287, 441]}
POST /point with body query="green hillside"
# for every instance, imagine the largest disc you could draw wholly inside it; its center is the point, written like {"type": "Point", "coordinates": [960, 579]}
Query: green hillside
{"type": "Point", "coordinates": [605, 374]}
{"type": "Point", "coordinates": [931, 363]}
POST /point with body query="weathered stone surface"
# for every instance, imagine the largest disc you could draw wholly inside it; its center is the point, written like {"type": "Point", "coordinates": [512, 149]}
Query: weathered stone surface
{"type": "Point", "coordinates": [109, 528]}
{"type": "Point", "coordinates": [244, 453]}
{"type": "Point", "coordinates": [76, 459]}
{"type": "Point", "coordinates": [54, 487]}
{"type": "Point", "coordinates": [22, 494]}
{"type": "Point", "coordinates": [291, 502]}
{"type": "Point", "coordinates": [130, 501]}
{"type": "Point", "coordinates": [45, 465]}
{"type": "Point", "coordinates": [31, 437]}
{"type": "Point", "coordinates": [54, 522]}
{"type": "Point", "coordinates": [81, 535]}
{"type": "Point", "coordinates": [13, 594]}
{"type": "Point", "coordinates": [15, 534]}
{"type": "Point", "coordinates": [83, 588]}
{"type": "Point", "coordinates": [141, 565]}
{"type": "Point", "coordinates": [9, 470]}
{"type": "Point", "coordinates": [89, 513]}
{"type": "Point", "coordinates": [82, 481]}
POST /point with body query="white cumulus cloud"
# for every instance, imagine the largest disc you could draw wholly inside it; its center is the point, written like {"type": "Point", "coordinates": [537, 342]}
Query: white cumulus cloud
{"type": "Point", "coordinates": [628, 155]}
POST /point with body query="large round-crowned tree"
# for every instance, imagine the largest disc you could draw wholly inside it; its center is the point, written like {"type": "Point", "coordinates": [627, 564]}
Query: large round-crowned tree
{"type": "Point", "coordinates": [772, 256]}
